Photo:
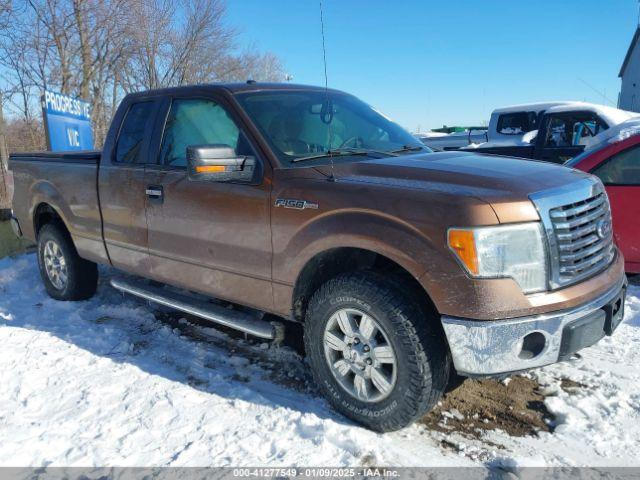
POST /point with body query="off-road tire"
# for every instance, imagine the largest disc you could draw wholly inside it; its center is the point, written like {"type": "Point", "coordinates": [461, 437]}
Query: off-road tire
{"type": "Point", "coordinates": [420, 347]}
{"type": "Point", "coordinates": [82, 275]}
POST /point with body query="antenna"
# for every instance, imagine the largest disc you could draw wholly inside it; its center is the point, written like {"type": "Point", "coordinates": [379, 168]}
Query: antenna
{"type": "Point", "coordinates": [324, 51]}
{"type": "Point", "coordinates": [332, 178]}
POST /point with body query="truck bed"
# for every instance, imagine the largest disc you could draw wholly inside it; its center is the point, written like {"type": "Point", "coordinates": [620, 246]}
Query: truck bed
{"type": "Point", "coordinates": [67, 181]}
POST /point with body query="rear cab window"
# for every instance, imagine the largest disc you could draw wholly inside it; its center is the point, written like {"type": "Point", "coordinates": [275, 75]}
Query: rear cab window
{"type": "Point", "coordinates": [133, 132]}
{"type": "Point", "coordinates": [517, 123]}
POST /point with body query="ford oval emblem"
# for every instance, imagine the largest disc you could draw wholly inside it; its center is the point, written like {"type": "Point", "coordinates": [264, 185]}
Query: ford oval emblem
{"type": "Point", "coordinates": [603, 228]}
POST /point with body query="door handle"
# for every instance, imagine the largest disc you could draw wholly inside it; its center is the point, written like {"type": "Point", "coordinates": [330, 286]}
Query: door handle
{"type": "Point", "coordinates": [155, 192]}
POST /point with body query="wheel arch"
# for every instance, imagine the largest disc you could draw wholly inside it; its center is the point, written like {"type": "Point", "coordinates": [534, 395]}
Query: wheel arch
{"type": "Point", "coordinates": [349, 240]}
{"type": "Point", "coordinates": [44, 214]}
{"type": "Point", "coordinates": [47, 205]}
{"type": "Point", "coordinates": [332, 262]}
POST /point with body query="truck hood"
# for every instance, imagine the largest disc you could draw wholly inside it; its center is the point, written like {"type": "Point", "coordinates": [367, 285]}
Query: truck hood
{"type": "Point", "coordinates": [503, 182]}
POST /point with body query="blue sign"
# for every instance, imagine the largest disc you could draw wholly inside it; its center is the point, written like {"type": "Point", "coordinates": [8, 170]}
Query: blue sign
{"type": "Point", "coordinates": [67, 122]}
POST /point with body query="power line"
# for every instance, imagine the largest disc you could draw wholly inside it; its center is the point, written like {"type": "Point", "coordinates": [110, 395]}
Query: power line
{"type": "Point", "coordinates": [601, 94]}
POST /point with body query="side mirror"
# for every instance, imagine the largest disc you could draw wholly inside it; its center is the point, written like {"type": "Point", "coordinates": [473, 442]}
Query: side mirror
{"type": "Point", "coordinates": [219, 163]}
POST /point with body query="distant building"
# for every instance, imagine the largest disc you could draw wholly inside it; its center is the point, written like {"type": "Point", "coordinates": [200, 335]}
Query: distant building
{"type": "Point", "coordinates": [629, 98]}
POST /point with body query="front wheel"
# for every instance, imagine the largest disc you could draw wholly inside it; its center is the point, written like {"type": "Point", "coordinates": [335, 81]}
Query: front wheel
{"type": "Point", "coordinates": [375, 354]}
{"type": "Point", "coordinates": [65, 275]}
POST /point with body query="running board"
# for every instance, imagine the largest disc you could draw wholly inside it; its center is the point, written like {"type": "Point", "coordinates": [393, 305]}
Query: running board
{"type": "Point", "coordinates": [235, 319]}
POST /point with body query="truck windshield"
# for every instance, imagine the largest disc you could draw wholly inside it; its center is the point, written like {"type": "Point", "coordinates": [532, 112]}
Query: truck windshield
{"type": "Point", "coordinates": [316, 125]}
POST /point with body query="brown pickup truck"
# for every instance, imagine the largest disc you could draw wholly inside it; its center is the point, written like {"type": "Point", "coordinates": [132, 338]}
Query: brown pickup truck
{"type": "Point", "coordinates": [249, 203]}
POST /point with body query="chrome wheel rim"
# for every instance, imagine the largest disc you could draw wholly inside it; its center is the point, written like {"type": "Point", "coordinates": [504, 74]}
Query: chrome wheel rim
{"type": "Point", "coordinates": [55, 265]}
{"type": "Point", "coordinates": [360, 356]}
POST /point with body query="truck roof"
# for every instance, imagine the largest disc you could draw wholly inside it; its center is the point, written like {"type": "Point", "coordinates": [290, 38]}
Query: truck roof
{"type": "Point", "coordinates": [528, 107]}
{"type": "Point", "coordinates": [231, 87]}
{"type": "Point", "coordinates": [613, 116]}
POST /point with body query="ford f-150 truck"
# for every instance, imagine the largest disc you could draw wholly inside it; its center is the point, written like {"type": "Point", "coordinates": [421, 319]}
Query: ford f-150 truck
{"type": "Point", "coordinates": [249, 203]}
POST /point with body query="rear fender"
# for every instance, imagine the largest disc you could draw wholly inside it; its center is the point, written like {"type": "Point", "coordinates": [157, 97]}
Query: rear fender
{"type": "Point", "coordinates": [43, 192]}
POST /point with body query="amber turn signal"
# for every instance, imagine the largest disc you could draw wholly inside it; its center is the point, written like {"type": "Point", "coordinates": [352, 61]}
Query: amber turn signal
{"type": "Point", "coordinates": [210, 169]}
{"type": "Point", "coordinates": [463, 244]}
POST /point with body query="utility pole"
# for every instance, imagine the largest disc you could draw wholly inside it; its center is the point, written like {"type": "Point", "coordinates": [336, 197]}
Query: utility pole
{"type": "Point", "coordinates": [4, 159]}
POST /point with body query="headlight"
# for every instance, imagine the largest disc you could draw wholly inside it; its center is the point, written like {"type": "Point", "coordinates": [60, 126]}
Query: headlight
{"type": "Point", "coordinates": [515, 251]}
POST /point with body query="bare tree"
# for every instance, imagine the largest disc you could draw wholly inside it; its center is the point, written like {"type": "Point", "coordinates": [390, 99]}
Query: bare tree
{"type": "Point", "coordinates": [5, 10]}
{"type": "Point", "coordinates": [18, 135]}
{"type": "Point", "coordinates": [101, 49]}
{"type": "Point", "coordinates": [194, 47]}
{"type": "Point", "coordinates": [48, 24]}
{"type": "Point", "coordinates": [264, 67]}
{"type": "Point", "coordinates": [51, 40]}
{"type": "Point", "coordinates": [101, 28]}
{"type": "Point", "coordinates": [175, 49]}
{"type": "Point", "coordinates": [26, 53]}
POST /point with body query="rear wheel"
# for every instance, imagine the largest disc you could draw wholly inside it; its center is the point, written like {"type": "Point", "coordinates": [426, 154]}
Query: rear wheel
{"type": "Point", "coordinates": [375, 354]}
{"type": "Point", "coordinates": [65, 275]}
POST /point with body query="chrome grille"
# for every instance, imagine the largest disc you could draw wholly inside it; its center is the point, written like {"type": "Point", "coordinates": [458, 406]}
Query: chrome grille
{"type": "Point", "coordinates": [577, 219]}
{"type": "Point", "coordinates": [582, 248]}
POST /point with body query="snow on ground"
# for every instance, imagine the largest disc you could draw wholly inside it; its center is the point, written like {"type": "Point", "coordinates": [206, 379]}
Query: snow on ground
{"type": "Point", "coordinates": [104, 382]}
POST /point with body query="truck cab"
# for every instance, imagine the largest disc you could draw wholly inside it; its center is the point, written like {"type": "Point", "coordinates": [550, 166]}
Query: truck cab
{"type": "Point", "coordinates": [553, 132]}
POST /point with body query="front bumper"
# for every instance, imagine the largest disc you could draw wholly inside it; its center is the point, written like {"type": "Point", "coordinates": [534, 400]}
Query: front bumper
{"type": "Point", "coordinates": [484, 348]}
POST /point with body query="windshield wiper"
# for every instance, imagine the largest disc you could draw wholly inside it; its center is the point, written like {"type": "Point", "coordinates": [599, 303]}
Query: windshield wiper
{"type": "Point", "coordinates": [408, 148]}
{"type": "Point", "coordinates": [342, 153]}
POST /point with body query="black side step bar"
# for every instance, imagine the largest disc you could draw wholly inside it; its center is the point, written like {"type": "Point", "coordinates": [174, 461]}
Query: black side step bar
{"type": "Point", "coordinates": [235, 319]}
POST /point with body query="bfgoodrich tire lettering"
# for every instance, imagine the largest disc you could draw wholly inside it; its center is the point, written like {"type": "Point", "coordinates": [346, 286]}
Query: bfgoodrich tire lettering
{"type": "Point", "coordinates": [80, 276]}
{"type": "Point", "coordinates": [420, 349]}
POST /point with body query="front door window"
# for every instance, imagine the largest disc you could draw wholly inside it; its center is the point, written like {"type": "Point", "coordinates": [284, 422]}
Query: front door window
{"type": "Point", "coordinates": [573, 130]}
{"type": "Point", "coordinates": [621, 169]}
{"type": "Point", "coordinates": [198, 121]}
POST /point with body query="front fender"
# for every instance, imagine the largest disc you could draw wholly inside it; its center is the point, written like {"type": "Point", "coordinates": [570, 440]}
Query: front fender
{"type": "Point", "coordinates": [390, 237]}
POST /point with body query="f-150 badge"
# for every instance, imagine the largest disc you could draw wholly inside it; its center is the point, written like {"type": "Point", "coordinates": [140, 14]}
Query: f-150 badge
{"type": "Point", "coordinates": [295, 204]}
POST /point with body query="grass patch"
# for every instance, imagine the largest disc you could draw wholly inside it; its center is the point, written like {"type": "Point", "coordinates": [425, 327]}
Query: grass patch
{"type": "Point", "coordinates": [9, 243]}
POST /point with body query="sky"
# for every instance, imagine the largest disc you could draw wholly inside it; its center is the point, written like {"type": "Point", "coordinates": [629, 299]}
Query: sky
{"type": "Point", "coordinates": [428, 63]}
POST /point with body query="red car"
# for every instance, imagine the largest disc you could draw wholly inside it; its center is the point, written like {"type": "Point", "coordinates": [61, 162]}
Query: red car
{"type": "Point", "coordinates": [618, 166]}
